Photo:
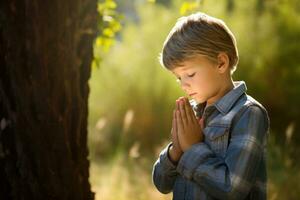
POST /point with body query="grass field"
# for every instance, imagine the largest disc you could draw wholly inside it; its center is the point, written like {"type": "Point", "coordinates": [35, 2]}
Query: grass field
{"type": "Point", "coordinates": [127, 176]}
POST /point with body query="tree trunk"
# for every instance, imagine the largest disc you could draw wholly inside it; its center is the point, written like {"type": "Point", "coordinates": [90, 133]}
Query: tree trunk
{"type": "Point", "coordinates": [45, 55]}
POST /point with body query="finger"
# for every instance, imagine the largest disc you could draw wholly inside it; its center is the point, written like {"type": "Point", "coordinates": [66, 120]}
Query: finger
{"type": "Point", "coordinates": [179, 99]}
{"type": "Point", "coordinates": [173, 123]}
{"type": "Point", "coordinates": [186, 109]}
{"type": "Point", "coordinates": [183, 113]}
{"type": "Point", "coordinates": [178, 105]}
{"type": "Point", "coordinates": [174, 127]}
{"type": "Point", "coordinates": [179, 123]}
{"type": "Point", "coordinates": [190, 112]}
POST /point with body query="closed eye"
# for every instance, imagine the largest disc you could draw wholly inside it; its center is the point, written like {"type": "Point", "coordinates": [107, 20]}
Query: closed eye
{"type": "Point", "coordinates": [189, 75]}
{"type": "Point", "coordinates": [193, 74]}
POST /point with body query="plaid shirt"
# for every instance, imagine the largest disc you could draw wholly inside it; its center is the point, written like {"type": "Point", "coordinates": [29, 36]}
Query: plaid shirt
{"type": "Point", "coordinates": [231, 161]}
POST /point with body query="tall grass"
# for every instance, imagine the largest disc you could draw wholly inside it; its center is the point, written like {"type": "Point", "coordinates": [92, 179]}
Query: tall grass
{"type": "Point", "coordinates": [127, 175]}
{"type": "Point", "coordinates": [124, 177]}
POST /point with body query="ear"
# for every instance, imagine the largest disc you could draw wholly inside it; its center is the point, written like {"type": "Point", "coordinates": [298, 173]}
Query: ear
{"type": "Point", "coordinates": [223, 62]}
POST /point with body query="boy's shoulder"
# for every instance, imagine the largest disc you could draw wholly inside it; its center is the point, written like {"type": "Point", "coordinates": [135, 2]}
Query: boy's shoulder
{"type": "Point", "coordinates": [248, 102]}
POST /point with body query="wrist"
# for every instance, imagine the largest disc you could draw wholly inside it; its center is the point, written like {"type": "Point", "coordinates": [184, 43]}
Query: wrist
{"type": "Point", "coordinates": [174, 154]}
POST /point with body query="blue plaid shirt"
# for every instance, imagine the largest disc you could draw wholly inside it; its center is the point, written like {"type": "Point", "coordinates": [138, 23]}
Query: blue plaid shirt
{"type": "Point", "coordinates": [231, 161]}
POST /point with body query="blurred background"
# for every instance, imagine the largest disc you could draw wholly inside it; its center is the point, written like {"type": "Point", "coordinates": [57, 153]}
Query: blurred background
{"type": "Point", "coordinates": [132, 96]}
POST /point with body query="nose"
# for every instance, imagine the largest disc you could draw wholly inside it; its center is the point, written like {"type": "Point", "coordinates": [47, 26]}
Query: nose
{"type": "Point", "coordinates": [184, 85]}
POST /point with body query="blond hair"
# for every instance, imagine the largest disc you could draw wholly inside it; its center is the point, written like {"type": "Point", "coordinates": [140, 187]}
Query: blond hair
{"type": "Point", "coordinates": [197, 34]}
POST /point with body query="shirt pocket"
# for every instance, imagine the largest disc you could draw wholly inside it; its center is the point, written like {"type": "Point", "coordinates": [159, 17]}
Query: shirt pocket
{"type": "Point", "coordinates": [217, 138]}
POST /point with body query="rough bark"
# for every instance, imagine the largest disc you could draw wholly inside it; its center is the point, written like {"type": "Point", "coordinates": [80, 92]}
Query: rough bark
{"type": "Point", "coordinates": [45, 55]}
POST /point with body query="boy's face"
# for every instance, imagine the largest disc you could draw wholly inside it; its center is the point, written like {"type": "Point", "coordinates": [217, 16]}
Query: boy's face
{"type": "Point", "coordinates": [200, 78]}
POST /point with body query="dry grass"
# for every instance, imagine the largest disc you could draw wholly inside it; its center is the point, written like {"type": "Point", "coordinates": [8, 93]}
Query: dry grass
{"type": "Point", "coordinates": [122, 180]}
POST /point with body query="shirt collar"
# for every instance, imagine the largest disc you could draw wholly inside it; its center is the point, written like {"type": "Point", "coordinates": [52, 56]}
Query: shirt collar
{"type": "Point", "coordinates": [226, 102]}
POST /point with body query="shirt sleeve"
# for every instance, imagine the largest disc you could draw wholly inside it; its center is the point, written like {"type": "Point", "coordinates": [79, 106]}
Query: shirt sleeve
{"type": "Point", "coordinates": [232, 176]}
{"type": "Point", "coordinates": [164, 172]}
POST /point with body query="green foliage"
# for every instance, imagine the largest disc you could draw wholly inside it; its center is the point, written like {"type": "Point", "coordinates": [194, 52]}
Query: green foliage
{"type": "Point", "coordinates": [283, 174]}
{"type": "Point", "coordinates": [133, 81]}
{"type": "Point", "coordinates": [188, 7]}
{"type": "Point", "coordinates": [109, 25]}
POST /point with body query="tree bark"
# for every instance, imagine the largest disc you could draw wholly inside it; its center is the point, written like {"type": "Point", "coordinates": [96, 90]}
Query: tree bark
{"type": "Point", "coordinates": [45, 56]}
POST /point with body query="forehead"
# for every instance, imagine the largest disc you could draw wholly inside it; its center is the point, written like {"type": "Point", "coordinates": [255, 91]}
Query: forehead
{"type": "Point", "coordinates": [192, 63]}
{"type": "Point", "coordinates": [181, 69]}
{"type": "Point", "coordinates": [186, 66]}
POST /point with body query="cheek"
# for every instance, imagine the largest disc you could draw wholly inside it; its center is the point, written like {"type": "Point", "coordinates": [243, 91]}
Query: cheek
{"type": "Point", "coordinates": [203, 78]}
{"type": "Point", "coordinates": [205, 84]}
{"type": "Point", "coordinates": [201, 85]}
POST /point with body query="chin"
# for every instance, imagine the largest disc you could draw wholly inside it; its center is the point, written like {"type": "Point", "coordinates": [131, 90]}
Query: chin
{"type": "Point", "coordinates": [199, 100]}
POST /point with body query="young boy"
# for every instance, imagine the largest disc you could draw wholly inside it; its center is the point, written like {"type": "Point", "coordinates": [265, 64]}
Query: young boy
{"type": "Point", "coordinates": [219, 153]}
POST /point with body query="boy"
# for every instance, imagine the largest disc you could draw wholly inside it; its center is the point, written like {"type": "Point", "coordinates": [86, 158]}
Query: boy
{"type": "Point", "coordinates": [221, 152]}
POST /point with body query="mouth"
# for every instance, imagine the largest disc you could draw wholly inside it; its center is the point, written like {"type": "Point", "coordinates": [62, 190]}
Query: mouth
{"type": "Point", "coordinates": [192, 94]}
